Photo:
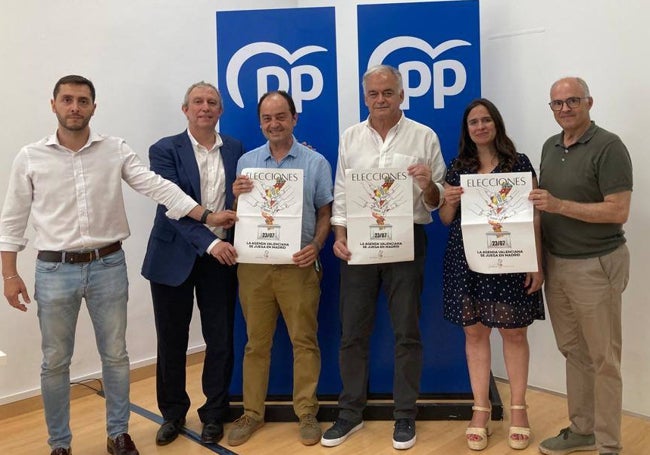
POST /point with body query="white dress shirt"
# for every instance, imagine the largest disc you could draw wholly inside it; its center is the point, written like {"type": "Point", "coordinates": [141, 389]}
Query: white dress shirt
{"type": "Point", "coordinates": [75, 198]}
{"type": "Point", "coordinates": [408, 142]}
{"type": "Point", "coordinates": [212, 176]}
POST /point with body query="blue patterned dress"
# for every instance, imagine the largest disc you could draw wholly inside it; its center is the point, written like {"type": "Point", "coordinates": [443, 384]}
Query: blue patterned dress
{"type": "Point", "coordinates": [495, 300]}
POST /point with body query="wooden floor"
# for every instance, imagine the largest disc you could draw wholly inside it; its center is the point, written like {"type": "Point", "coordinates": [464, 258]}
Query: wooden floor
{"type": "Point", "coordinates": [26, 433]}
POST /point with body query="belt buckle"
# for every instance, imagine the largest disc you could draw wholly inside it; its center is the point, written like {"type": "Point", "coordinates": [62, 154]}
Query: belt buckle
{"type": "Point", "coordinates": [74, 258]}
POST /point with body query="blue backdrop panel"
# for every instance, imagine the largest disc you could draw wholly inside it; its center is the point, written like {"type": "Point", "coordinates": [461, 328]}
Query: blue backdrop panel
{"type": "Point", "coordinates": [292, 50]}
{"type": "Point", "coordinates": [436, 47]}
{"type": "Point", "coordinates": [286, 49]}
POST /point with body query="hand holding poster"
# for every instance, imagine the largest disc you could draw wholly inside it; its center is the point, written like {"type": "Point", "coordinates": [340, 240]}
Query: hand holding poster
{"type": "Point", "coordinates": [379, 215]}
{"type": "Point", "coordinates": [270, 217]}
{"type": "Point", "coordinates": [497, 222]}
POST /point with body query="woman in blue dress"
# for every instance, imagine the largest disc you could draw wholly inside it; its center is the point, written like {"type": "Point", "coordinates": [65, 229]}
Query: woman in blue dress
{"type": "Point", "coordinates": [479, 302]}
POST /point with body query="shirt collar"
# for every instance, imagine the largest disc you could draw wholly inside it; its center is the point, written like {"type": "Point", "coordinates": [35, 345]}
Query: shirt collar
{"type": "Point", "coordinates": [293, 151]}
{"type": "Point", "coordinates": [586, 136]}
{"type": "Point", "coordinates": [394, 128]}
{"type": "Point", "coordinates": [217, 143]}
{"type": "Point", "coordinates": [92, 137]}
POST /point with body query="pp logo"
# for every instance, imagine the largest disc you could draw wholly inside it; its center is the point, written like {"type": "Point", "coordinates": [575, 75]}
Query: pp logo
{"type": "Point", "coordinates": [290, 82]}
{"type": "Point", "coordinates": [428, 77]}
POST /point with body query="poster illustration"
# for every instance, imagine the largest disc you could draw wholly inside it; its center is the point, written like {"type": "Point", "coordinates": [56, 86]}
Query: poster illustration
{"type": "Point", "coordinates": [269, 227]}
{"type": "Point", "coordinates": [497, 222]}
{"type": "Point", "coordinates": [380, 215]}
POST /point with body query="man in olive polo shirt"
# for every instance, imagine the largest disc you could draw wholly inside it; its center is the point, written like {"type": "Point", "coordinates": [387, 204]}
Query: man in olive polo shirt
{"type": "Point", "coordinates": [584, 195]}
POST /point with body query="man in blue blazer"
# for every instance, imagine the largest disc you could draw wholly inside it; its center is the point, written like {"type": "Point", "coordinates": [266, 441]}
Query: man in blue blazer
{"type": "Point", "coordinates": [186, 257]}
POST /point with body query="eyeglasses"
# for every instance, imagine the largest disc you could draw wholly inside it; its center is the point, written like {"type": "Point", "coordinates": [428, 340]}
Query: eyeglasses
{"type": "Point", "coordinates": [572, 103]}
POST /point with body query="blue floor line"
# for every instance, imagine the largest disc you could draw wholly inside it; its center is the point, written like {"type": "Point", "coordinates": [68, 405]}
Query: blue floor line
{"type": "Point", "coordinates": [189, 434]}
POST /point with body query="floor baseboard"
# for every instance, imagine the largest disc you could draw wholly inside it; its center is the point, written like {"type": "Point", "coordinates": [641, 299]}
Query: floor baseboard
{"type": "Point", "coordinates": [84, 388]}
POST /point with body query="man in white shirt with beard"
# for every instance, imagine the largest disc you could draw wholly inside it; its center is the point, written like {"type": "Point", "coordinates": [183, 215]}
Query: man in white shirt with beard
{"type": "Point", "coordinates": [70, 183]}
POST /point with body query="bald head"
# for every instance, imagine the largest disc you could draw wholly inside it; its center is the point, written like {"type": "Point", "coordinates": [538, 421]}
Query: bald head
{"type": "Point", "coordinates": [573, 80]}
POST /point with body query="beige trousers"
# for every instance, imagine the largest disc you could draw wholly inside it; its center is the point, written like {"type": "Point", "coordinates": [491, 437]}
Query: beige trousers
{"type": "Point", "coordinates": [265, 291]}
{"type": "Point", "coordinates": [584, 303]}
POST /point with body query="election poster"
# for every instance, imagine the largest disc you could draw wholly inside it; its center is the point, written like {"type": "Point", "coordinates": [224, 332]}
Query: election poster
{"type": "Point", "coordinates": [269, 223]}
{"type": "Point", "coordinates": [497, 222]}
{"type": "Point", "coordinates": [379, 215]}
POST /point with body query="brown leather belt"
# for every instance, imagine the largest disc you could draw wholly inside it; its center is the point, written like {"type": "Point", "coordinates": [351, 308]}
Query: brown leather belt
{"type": "Point", "coordinates": [76, 258]}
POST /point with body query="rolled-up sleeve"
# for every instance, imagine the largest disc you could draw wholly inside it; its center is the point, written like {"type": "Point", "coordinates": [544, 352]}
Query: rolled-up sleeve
{"type": "Point", "coordinates": [339, 214]}
{"type": "Point", "coordinates": [438, 172]}
{"type": "Point", "coordinates": [152, 185]}
{"type": "Point", "coordinates": [17, 205]}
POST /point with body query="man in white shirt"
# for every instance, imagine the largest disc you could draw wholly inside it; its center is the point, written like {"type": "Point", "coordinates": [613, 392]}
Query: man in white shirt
{"type": "Point", "coordinates": [386, 139]}
{"type": "Point", "coordinates": [70, 183]}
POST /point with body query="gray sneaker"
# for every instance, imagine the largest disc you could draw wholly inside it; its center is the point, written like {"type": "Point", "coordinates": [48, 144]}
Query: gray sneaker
{"type": "Point", "coordinates": [242, 429]}
{"type": "Point", "coordinates": [404, 434]}
{"type": "Point", "coordinates": [339, 432]}
{"type": "Point", "coordinates": [566, 442]}
{"type": "Point", "coordinates": [310, 431]}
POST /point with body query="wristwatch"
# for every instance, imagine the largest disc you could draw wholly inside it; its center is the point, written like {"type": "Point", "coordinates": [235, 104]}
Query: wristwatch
{"type": "Point", "coordinates": [204, 217]}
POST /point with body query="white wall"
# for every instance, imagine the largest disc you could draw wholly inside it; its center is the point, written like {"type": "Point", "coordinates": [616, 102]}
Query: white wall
{"type": "Point", "coordinates": [143, 54]}
{"type": "Point", "coordinates": [526, 45]}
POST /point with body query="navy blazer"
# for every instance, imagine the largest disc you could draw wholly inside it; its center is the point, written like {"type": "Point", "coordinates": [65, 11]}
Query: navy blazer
{"type": "Point", "coordinates": [174, 245]}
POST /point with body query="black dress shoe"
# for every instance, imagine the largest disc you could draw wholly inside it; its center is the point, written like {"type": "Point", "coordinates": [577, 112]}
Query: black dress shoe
{"type": "Point", "coordinates": [168, 431]}
{"type": "Point", "coordinates": [212, 432]}
{"type": "Point", "coordinates": [61, 451]}
{"type": "Point", "coordinates": [122, 444]}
